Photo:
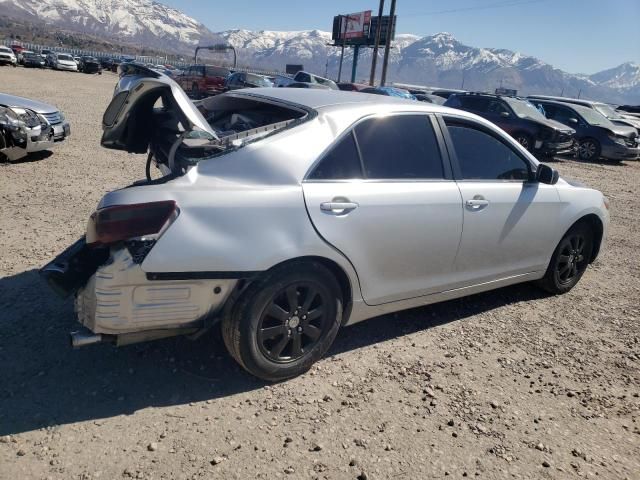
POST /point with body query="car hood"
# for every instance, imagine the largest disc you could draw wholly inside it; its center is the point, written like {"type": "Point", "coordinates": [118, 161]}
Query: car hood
{"type": "Point", "coordinates": [624, 121]}
{"type": "Point", "coordinates": [132, 91]}
{"type": "Point", "coordinates": [70, 63]}
{"type": "Point", "coordinates": [20, 102]}
{"type": "Point", "coordinates": [621, 130]}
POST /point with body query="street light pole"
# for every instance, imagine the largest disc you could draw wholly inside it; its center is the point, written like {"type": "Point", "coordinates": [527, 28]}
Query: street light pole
{"type": "Point", "coordinates": [387, 48]}
{"type": "Point", "coordinates": [345, 19]}
{"type": "Point", "coordinates": [374, 59]}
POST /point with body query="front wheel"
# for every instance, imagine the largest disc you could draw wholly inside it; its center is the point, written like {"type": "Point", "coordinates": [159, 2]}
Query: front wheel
{"type": "Point", "coordinates": [569, 261]}
{"type": "Point", "coordinates": [285, 321]}
{"type": "Point", "coordinates": [525, 140]}
{"type": "Point", "coordinates": [589, 150]}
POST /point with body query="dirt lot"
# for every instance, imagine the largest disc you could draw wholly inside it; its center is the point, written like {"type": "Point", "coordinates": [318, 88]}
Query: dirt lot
{"type": "Point", "coordinates": [511, 383]}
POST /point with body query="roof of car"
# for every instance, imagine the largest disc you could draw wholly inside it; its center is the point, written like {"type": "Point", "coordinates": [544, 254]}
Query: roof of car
{"type": "Point", "coordinates": [319, 98]}
{"type": "Point", "coordinates": [578, 101]}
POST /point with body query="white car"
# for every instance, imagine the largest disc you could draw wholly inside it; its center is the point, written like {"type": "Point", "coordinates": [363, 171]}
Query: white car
{"type": "Point", "coordinates": [62, 61]}
{"type": "Point", "coordinates": [287, 213]}
{"type": "Point", "coordinates": [7, 57]}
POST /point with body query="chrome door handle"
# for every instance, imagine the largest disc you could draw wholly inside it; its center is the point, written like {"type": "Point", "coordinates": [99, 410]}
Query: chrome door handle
{"type": "Point", "coordinates": [338, 206]}
{"type": "Point", "coordinates": [477, 203]}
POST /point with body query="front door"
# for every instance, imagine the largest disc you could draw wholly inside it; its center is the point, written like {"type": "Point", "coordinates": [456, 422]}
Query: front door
{"type": "Point", "coordinates": [384, 198]}
{"type": "Point", "coordinates": [510, 221]}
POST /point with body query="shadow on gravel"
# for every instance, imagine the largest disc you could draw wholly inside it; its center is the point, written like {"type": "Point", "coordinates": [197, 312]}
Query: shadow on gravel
{"type": "Point", "coordinates": [32, 157]}
{"type": "Point", "coordinates": [44, 382]}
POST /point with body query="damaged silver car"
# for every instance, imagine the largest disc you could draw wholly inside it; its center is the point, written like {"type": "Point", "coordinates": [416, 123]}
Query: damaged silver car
{"type": "Point", "coordinates": [28, 126]}
{"type": "Point", "coordinates": [282, 215]}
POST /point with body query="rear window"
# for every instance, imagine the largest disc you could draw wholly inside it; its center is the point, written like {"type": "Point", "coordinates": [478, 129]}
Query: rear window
{"type": "Point", "coordinates": [217, 72]}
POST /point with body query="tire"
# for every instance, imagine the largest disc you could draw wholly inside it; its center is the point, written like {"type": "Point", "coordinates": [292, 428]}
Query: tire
{"type": "Point", "coordinates": [195, 91]}
{"type": "Point", "coordinates": [589, 150]}
{"type": "Point", "coordinates": [525, 140]}
{"type": "Point", "coordinates": [3, 144]}
{"type": "Point", "coordinates": [266, 336]}
{"type": "Point", "coordinates": [569, 260]}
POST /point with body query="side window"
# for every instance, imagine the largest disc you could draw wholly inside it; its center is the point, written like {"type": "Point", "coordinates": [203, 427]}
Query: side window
{"type": "Point", "coordinates": [496, 106]}
{"type": "Point", "coordinates": [340, 163]}
{"type": "Point", "coordinates": [483, 157]}
{"type": "Point", "coordinates": [564, 114]}
{"type": "Point", "coordinates": [477, 103]}
{"type": "Point", "coordinates": [303, 77]}
{"type": "Point", "coordinates": [399, 147]}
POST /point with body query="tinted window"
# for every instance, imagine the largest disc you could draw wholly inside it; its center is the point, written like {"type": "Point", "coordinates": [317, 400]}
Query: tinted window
{"type": "Point", "coordinates": [563, 115]}
{"type": "Point", "coordinates": [342, 162]}
{"type": "Point", "coordinates": [482, 156]}
{"type": "Point", "coordinates": [217, 72]}
{"type": "Point", "coordinates": [400, 146]}
{"type": "Point", "coordinates": [302, 77]}
{"type": "Point", "coordinates": [496, 106]}
{"type": "Point", "coordinates": [479, 104]}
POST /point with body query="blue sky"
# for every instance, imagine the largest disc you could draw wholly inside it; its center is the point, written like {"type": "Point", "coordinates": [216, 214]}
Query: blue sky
{"type": "Point", "coordinates": [579, 36]}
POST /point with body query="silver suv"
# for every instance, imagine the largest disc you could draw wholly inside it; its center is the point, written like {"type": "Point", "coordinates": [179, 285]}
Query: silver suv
{"type": "Point", "coordinates": [285, 214]}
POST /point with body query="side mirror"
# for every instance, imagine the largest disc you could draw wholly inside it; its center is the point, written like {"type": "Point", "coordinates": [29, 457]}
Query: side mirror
{"type": "Point", "coordinates": [505, 114]}
{"type": "Point", "coordinates": [546, 174]}
{"type": "Point", "coordinates": [573, 120]}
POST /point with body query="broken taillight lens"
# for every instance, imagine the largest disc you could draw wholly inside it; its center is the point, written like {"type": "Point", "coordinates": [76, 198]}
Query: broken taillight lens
{"type": "Point", "coordinates": [123, 222]}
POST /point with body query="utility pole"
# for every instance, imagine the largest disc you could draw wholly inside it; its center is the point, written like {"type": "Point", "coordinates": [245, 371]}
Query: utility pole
{"type": "Point", "coordinates": [387, 47]}
{"type": "Point", "coordinates": [345, 19]}
{"type": "Point", "coordinates": [374, 59]}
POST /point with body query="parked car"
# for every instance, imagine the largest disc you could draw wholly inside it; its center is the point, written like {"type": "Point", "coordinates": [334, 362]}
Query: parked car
{"type": "Point", "coordinates": [265, 225]}
{"type": "Point", "coordinates": [429, 98]}
{"type": "Point", "coordinates": [20, 56]}
{"type": "Point", "coordinates": [597, 136]}
{"type": "Point", "coordinates": [33, 60]}
{"type": "Point", "coordinates": [445, 92]}
{"type": "Point", "coordinates": [88, 64]}
{"type": "Point", "coordinates": [519, 118]}
{"type": "Point", "coordinates": [28, 126]}
{"type": "Point", "coordinates": [7, 57]}
{"type": "Point", "coordinates": [600, 107]}
{"type": "Point", "coordinates": [282, 80]}
{"type": "Point", "coordinates": [352, 87]}
{"type": "Point", "coordinates": [203, 80]}
{"type": "Point", "coordinates": [306, 77]}
{"type": "Point", "coordinates": [629, 108]}
{"type": "Point", "coordinates": [62, 61]}
{"type": "Point", "coordinates": [389, 92]}
{"type": "Point", "coordinates": [239, 80]}
{"type": "Point", "coordinates": [317, 86]}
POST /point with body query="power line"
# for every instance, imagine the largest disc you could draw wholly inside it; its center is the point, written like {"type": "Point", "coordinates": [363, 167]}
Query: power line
{"type": "Point", "coordinates": [508, 3]}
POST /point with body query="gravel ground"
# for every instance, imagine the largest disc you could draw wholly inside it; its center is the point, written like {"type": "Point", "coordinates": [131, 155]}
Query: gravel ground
{"type": "Point", "coordinates": [512, 383]}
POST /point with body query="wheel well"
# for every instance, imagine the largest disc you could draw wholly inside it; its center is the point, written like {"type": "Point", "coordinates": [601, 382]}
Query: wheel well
{"type": "Point", "coordinates": [341, 276]}
{"type": "Point", "coordinates": [595, 224]}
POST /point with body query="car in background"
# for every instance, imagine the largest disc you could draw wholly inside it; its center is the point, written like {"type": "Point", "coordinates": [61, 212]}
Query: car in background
{"type": "Point", "coordinates": [520, 119]}
{"type": "Point", "coordinates": [88, 64]}
{"type": "Point", "coordinates": [352, 87]}
{"type": "Point", "coordinates": [600, 107]}
{"type": "Point", "coordinates": [308, 85]}
{"type": "Point", "coordinates": [281, 80]}
{"type": "Point", "coordinates": [33, 60]}
{"type": "Point", "coordinates": [445, 92]}
{"type": "Point", "coordinates": [635, 109]}
{"type": "Point", "coordinates": [62, 61]}
{"type": "Point", "coordinates": [429, 98]}
{"type": "Point", "coordinates": [28, 126]}
{"type": "Point", "coordinates": [21, 56]}
{"type": "Point", "coordinates": [259, 227]}
{"type": "Point", "coordinates": [239, 80]}
{"type": "Point", "coordinates": [7, 57]}
{"type": "Point", "coordinates": [596, 135]}
{"type": "Point", "coordinates": [306, 77]}
{"type": "Point", "coordinates": [389, 92]}
{"type": "Point", "coordinates": [203, 80]}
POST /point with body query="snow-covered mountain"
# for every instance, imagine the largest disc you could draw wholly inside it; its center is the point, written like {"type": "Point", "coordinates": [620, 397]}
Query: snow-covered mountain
{"type": "Point", "coordinates": [437, 60]}
{"type": "Point", "coordinates": [143, 22]}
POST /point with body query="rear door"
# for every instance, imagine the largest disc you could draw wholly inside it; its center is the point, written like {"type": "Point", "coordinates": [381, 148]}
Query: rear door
{"type": "Point", "coordinates": [384, 196]}
{"type": "Point", "coordinates": [511, 222]}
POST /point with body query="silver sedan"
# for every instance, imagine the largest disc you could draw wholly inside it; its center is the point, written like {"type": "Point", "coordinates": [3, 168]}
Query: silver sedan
{"type": "Point", "coordinates": [284, 214]}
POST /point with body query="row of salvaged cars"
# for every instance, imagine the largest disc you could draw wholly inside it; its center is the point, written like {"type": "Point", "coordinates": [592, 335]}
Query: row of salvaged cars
{"type": "Point", "coordinates": [547, 126]}
{"type": "Point", "coordinates": [48, 59]}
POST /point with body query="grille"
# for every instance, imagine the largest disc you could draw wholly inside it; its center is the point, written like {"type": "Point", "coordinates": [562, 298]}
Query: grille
{"type": "Point", "coordinates": [53, 118]}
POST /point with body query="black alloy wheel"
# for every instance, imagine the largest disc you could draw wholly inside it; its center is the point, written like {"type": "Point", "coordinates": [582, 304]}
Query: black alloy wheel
{"type": "Point", "coordinates": [524, 140]}
{"type": "Point", "coordinates": [589, 150]}
{"type": "Point", "coordinates": [292, 323]}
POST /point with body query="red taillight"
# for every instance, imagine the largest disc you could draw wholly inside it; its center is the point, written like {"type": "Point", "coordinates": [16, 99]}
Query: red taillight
{"type": "Point", "coordinates": [122, 222]}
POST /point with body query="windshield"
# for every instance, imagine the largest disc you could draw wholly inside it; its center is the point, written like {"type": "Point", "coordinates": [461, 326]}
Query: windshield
{"type": "Point", "coordinates": [32, 55]}
{"type": "Point", "coordinates": [592, 117]}
{"type": "Point", "coordinates": [89, 59]}
{"type": "Point", "coordinates": [525, 109]}
{"type": "Point", "coordinates": [65, 57]}
{"type": "Point", "coordinates": [5, 49]}
{"type": "Point", "coordinates": [607, 111]}
{"type": "Point", "coordinates": [258, 80]}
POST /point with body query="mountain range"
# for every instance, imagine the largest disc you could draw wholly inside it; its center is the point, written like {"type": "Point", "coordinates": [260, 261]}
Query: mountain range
{"type": "Point", "coordinates": [436, 60]}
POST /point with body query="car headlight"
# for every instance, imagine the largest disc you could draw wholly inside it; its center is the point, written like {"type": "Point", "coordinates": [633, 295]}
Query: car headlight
{"type": "Point", "coordinates": [27, 117]}
{"type": "Point", "coordinates": [10, 118]}
{"type": "Point", "coordinates": [616, 139]}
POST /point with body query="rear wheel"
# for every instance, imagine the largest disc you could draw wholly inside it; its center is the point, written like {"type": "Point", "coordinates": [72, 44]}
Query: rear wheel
{"type": "Point", "coordinates": [569, 261]}
{"type": "Point", "coordinates": [285, 321]}
{"type": "Point", "coordinates": [589, 149]}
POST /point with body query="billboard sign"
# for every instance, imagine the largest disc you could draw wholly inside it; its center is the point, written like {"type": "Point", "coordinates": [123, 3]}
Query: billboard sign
{"type": "Point", "coordinates": [356, 25]}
